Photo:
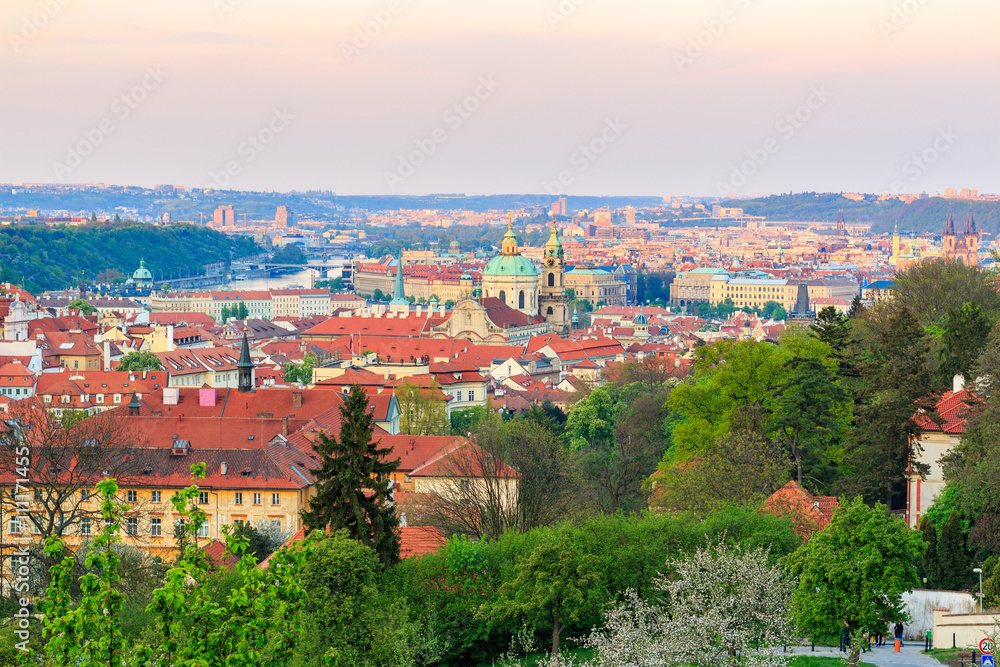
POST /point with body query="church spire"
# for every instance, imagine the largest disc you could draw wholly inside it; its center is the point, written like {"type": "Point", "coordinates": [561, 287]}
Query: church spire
{"type": "Point", "coordinates": [244, 367]}
{"type": "Point", "coordinates": [398, 297]}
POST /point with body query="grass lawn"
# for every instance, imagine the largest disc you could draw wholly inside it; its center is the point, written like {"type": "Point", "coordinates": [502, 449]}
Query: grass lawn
{"type": "Point", "coordinates": [811, 661]}
{"type": "Point", "coordinates": [586, 654]}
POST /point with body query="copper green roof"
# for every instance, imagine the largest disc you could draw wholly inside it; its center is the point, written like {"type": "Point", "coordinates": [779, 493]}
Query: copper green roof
{"type": "Point", "coordinates": [510, 265]}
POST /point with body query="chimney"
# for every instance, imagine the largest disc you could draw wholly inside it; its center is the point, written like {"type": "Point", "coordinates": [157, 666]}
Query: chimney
{"type": "Point", "coordinates": [958, 383]}
{"type": "Point", "coordinates": [297, 398]}
{"type": "Point", "coordinates": [170, 338]}
{"type": "Point", "coordinates": [107, 355]}
{"type": "Point", "coordinates": [223, 468]}
{"type": "Point", "coordinates": [284, 426]}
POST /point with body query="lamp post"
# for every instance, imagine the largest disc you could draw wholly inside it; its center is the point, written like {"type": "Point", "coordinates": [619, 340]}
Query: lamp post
{"type": "Point", "coordinates": [979, 571]}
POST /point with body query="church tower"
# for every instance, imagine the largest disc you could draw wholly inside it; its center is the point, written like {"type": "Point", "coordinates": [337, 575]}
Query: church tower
{"type": "Point", "coordinates": [553, 303]}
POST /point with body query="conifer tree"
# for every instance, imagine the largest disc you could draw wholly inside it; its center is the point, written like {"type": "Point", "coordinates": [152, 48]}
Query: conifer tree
{"type": "Point", "coordinates": [352, 482]}
{"type": "Point", "coordinates": [932, 568]}
{"type": "Point", "coordinates": [953, 557]}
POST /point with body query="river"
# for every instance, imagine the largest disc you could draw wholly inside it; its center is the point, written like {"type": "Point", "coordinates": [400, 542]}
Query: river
{"type": "Point", "coordinates": [303, 278]}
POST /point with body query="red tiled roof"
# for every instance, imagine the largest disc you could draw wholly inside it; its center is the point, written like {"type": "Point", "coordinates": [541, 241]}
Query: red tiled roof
{"type": "Point", "coordinates": [952, 408]}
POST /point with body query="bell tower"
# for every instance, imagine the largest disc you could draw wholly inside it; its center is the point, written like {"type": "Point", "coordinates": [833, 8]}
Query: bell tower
{"type": "Point", "coordinates": [552, 301]}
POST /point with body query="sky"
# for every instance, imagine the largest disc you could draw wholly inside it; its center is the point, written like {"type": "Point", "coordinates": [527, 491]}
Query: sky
{"type": "Point", "coordinates": [580, 97]}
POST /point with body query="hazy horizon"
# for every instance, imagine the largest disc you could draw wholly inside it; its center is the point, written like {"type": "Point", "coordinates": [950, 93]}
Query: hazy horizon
{"type": "Point", "coordinates": [672, 98]}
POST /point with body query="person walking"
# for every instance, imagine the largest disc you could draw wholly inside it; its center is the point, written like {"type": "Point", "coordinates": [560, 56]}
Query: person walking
{"type": "Point", "coordinates": [898, 632]}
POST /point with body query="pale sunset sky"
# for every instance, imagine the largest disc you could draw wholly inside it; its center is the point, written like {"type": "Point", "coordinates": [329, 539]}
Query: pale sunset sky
{"type": "Point", "coordinates": [673, 96]}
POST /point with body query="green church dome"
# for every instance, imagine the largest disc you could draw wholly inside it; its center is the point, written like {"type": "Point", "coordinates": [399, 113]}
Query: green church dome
{"type": "Point", "coordinates": [510, 265]}
{"type": "Point", "coordinates": [142, 273]}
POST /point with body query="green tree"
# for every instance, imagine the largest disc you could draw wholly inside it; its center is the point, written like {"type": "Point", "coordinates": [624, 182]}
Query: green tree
{"type": "Point", "coordinates": [780, 313]}
{"type": "Point", "coordinates": [855, 572]}
{"type": "Point", "coordinates": [953, 556]}
{"type": "Point", "coordinates": [930, 289]}
{"type": "Point", "coordinates": [895, 385]}
{"type": "Point", "coordinates": [423, 410]}
{"type": "Point", "coordinates": [303, 372]}
{"type": "Point", "coordinates": [225, 314]}
{"type": "Point", "coordinates": [465, 420]}
{"type": "Point", "coordinates": [139, 361]}
{"type": "Point", "coordinates": [857, 308]}
{"type": "Point", "coordinates": [965, 333]}
{"type": "Point", "coordinates": [240, 311]}
{"type": "Point", "coordinates": [930, 564]}
{"type": "Point", "coordinates": [257, 624]}
{"type": "Point", "coordinates": [352, 482]}
{"type": "Point", "coordinates": [377, 295]}
{"type": "Point", "coordinates": [810, 412]}
{"type": "Point", "coordinates": [553, 587]}
{"type": "Point", "coordinates": [84, 307]}
{"type": "Point", "coordinates": [348, 621]}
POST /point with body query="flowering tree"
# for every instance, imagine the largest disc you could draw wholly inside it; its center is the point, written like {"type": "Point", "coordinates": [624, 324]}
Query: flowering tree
{"type": "Point", "coordinates": [723, 606]}
{"type": "Point", "coordinates": [258, 625]}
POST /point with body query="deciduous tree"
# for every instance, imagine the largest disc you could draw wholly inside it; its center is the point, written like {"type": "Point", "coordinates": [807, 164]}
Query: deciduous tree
{"type": "Point", "coordinates": [139, 361]}
{"type": "Point", "coordinates": [855, 572]}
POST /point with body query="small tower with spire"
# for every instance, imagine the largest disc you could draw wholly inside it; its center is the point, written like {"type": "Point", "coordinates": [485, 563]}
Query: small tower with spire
{"type": "Point", "coordinates": [244, 367]}
{"type": "Point", "coordinates": [399, 302]}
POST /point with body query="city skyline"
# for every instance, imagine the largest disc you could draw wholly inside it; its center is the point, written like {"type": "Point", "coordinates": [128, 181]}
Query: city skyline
{"type": "Point", "coordinates": [739, 96]}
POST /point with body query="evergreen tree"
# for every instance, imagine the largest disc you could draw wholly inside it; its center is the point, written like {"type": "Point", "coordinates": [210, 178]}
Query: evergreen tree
{"type": "Point", "coordinates": [831, 328]}
{"type": "Point", "coordinates": [895, 385]}
{"type": "Point", "coordinates": [932, 568]}
{"type": "Point", "coordinates": [809, 414]}
{"type": "Point", "coordinates": [352, 482]}
{"type": "Point", "coordinates": [856, 307]}
{"type": "Point", "coordinates": [953, 557]}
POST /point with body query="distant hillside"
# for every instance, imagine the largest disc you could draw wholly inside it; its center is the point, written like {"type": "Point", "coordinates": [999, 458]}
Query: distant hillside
{"type": "Point", "coordinates": [923, 215]}
{"type": "Point", "coordinates": [191, 206]}
{"type": "Point", "coordinates": [57, 257]}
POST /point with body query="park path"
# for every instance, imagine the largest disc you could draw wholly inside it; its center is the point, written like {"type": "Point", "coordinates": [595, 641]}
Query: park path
{"type": "Point", "coordinates": [909, 656]}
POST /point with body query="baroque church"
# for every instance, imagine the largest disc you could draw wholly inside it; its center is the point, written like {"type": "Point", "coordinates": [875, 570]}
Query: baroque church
{"type": "Point", "coordinates": [516, 300]}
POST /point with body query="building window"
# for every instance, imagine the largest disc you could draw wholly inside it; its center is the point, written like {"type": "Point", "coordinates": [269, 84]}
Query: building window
{"type": "Point", "coordinates": [472, 395]}
{"type": "Point", "coordinates": [503, 296]}
{"type": "Point", "coordinates": [552, 280]}
{"type": "Point", "coordinates": [156, 528]}
{"type": "Point", "coordinates": [15, 525]}
{"type": "Point", "coordinates": [275, 498]}
{"type": "Point", "coordinates": [85, 526]}
{"type": "Point", "coordinates": [157, 496]}
{"type": "Point", "coordinates": [131, 496]}
{"type": "Point", "coordinates": [178, 527]}
{"type": "Point", "coordinates": [118, 398]}
{"type": "Point", "coordinates": [520, 299]}
{"type": "Point", "coordinates": [239, 498]}
{"type": "Point", "coordinates": [203, 498]}
{"type": "Point", "coordinates": [238, 522]}
{"type": "Point", "coordinates": [203, 530]}
{"type": "Point", "coordinates": [256, 499]}
{"type": "Point", "coordinates": [132, 527]}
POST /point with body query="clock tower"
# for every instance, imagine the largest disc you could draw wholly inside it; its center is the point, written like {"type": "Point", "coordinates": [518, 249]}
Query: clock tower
{"type": "Point", "coordinates": [552, 301]}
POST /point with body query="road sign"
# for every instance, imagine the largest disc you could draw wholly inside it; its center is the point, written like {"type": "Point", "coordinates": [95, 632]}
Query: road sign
{"type": "Point", "coordinates": [988, 661]}
{"type": "Point", "coordinates": [986, 646]}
